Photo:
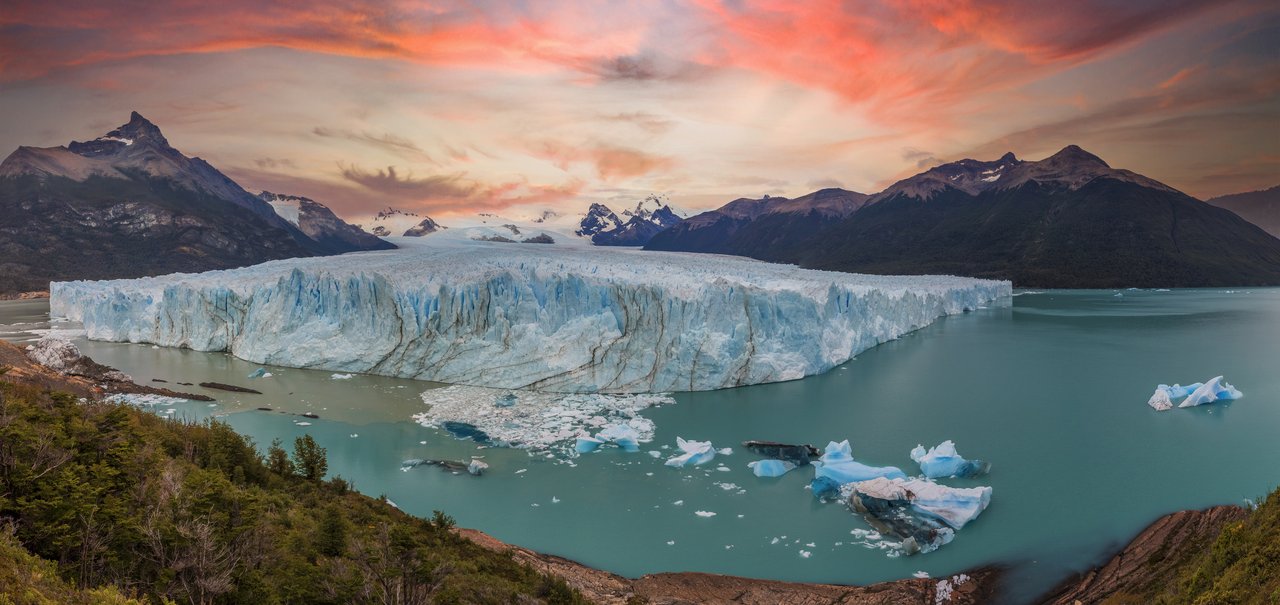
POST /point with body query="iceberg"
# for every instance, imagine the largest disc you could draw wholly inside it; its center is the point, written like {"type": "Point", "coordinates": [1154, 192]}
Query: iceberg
{"type": "Point", "coordinates": [824, 488]}
{"type": "Point", "coordinates": [924, 514]}
{"type": "Point", "coordinates": [551, 318]}
{"type": "Point", "coordinates": [944, 461]}
{"type": "Point", "coordinates": [770, 468]}
{"type": "Point", "coordinates": [837, 464]}
{"type": "Point", "coordinates": [1199, 393]}
{"type": "Point", "coordinates": [695, 453]}
{"type": "Point", "coordinates": [1216, 389]}
{"type": "Point", "coordinates": [587, 444]}
{"type": "Point", "coordinates": [624, 435]}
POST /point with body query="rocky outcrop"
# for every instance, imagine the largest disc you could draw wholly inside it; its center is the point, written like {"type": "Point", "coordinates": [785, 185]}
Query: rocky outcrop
{"type": "Point", "coordinates": [689, 588]}
{"type": "Point", "coordinates": [57, 364]}
{"type": "Point", "coordinates": [1150, 559]}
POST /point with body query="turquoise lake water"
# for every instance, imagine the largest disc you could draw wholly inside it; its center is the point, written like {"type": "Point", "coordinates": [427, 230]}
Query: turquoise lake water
{"type": "Point", "coordinates": [1052, 391]}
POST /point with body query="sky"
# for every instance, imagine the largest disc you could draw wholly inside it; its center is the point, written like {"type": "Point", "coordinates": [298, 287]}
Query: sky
{"type": "Point", "coordinates": [454, 108]}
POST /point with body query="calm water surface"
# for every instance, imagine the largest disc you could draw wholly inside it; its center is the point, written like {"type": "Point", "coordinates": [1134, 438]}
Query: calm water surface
{"type": "Point", "coordinates": [1052, 391]}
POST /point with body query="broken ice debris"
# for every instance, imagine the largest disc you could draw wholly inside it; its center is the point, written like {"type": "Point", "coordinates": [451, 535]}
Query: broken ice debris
{"type": "Point", "coordinates": [824, 488]}
{"type": "Point", "coordinates": [770, 468]}
{"type": "Point", "coordinates": [505, 401]}
{"type": "Point", "coordinates": [837, 463]}
{"type": "Point", "coordinates": [1199, 393]}
{"type": "Point", "coordinates": [627, 437]}
{"type": "Point", "coordinates": [260, 373]}
{"type": "Point", "coordinates": [798, 455]}
{"type": "Point", "coordinates": [477, 467]}
{"type": "Point", "coordinates": [695, 453]}
{"type": "Point", "coordinates": [924, 514]}
{"type": "Point", "coordinates": [944, 461]}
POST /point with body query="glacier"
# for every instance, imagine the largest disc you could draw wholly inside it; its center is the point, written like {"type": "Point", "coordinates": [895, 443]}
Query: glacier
{"type": "Point", "coordinates": [548, 318]}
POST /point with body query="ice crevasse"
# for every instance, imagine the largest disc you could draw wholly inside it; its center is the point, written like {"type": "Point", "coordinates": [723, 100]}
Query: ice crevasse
{"type": "Point", "coordinates": [534, 317]}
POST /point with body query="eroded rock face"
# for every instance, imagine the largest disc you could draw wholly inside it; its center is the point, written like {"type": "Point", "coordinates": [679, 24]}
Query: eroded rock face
{"type": "Point", "coordinates": [1150, 558]}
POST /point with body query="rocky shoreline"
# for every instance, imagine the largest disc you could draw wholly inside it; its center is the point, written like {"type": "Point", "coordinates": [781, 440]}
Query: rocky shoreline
{"type": "Point", "coordinates": [24, 295]}
{"type": "Point", "coordinates": [979, 586]}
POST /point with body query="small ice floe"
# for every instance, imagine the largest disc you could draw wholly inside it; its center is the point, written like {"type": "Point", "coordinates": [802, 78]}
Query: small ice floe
{"type": "Point", "coordinates": [704, 513]}
{"type": "Point", "coordinates": [924, 514]}
{"type": "Point", "coordinates": [770, 468]}
{"type": "Point", "coordinates": [555, 500]}
{"type": "Point", "coordinates": [805, 554]}
{"type": "Point", "coordinates": [920, 574]}
{"type": "Point", "coordinates": [523, 470]}
{"type": "Point", "coordinates": [260, 373]}
{"type": "Point", "coordinates": [671, 542]}
{"type": "Point", "coordinates": [302, 423]}
{"type": "Point", "coordinates": [725, 451]}
{"type": "Point", "coordinates": [1199, 393]}
{"type": "Point", "coordinates": [837, 464]}
{"type": "Point", "coordinates": [695, 453]}
{"type": "Point", "coordinates": [723, 469]}
{"type": "Point", "coordinates": [354, 435]}
{"type": "Point", "coordinates": [944, 461]}
{"type": "Point", "coordinates": [678, 503]}
{"type": "Point", "coordinates": [654, 453]}
{"type": "Point", "coordinates": [341, 376]}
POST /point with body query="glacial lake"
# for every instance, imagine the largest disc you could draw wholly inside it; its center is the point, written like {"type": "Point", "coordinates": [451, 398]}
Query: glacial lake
{"type": "Point", "coordinates": [1051, 390]}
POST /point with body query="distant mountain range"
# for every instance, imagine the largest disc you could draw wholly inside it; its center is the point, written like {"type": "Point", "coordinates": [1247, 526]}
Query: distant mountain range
{"type": "Point", "coordinates": [1261, 208]}
{"type": "Point", "coordinates": [127, 204]}
{"type": "Point", "coordinates": [1069, 221]}
{"type": "Point", "coordinates": [606, 228]}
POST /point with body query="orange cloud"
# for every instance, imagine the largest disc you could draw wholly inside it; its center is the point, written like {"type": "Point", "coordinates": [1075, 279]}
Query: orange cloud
{"type": "Point", "coordinates": [611, 162]}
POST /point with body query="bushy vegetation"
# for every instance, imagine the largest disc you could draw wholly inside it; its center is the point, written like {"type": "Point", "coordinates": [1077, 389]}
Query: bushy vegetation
{"type": "Point", "coordinates": [1242, 566]}
{"type": "Point", "coordinates": [102, 503]}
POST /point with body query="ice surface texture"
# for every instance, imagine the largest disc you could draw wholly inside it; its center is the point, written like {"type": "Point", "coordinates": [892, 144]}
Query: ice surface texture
{"type": "Point", "coordinates": [547, 318]}
{"type": "Point", "coordinates": [771, 468]}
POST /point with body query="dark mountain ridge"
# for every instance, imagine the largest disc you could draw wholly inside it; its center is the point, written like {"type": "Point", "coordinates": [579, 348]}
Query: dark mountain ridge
{"type": "Point", "coordinates": [1069, 221]}
{"type": "Point", "coordinates": [127, 204]}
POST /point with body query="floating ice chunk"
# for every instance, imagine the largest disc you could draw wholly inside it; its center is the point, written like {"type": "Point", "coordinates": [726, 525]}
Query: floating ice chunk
{"type": "Point", "coordinates": [837, 464]}
{"type": "Point", "coordinates": [303, 423]}
{"type": "Point", "coordinates": [477, 467]}
{"type": "Point", "coordinates": [144, 400]}
{"type": "Point", "coordinates": [920, 574]}
{"type": "Point", "coordinates": [626, 436]}
{"type": "Point", "coordinates": [806, 554]}
{"type": "Point", "coordinates": [944, 461]}
{"type": "Point", "coordinates": [259, 373]}
{"type": "Point", "coordinates": [770, 468]}
{"type": "Point", "coordinates": [1216, 389]}
{"type": "Point", "coordinates": [924, 514]}
{"type": "Point", "coordinates": [824, 488]}
{"type": "Point", "coordinates": [587, 444]}
{"type": "Point", "coordinates": [704, 513]}
{"type": "Point", "coordinates": [340, 376]}
{"type": "Point", "coordinates": [695, 453]}
{"type": "Point", "coordinates": [725, 451]}
{"type": "Point", "coordinates": [1160, 399]}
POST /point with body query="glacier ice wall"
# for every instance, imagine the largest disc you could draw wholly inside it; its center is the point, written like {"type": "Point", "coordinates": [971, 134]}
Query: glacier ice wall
{"type": "Point", "coordinates": [548, 318]}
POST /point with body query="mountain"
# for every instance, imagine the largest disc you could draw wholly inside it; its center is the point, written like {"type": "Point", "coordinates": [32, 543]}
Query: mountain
{"type": "Point", "coordinates": [650, 217]}
{"type": "Point", "coordinates": [744, 226]}
{"type": "Point", "coordinates": [1069, 221]}
{"type": "Point", "coordinates": [1261, 208]}
{"type": "Point", "coordinates": [425, 227]}
{"type": "Point", "coordinates": [391, 221]}
{"type": "Point", "coordinates": [314, 219]}
{"type": "Point", "coordinates": [127, 204]}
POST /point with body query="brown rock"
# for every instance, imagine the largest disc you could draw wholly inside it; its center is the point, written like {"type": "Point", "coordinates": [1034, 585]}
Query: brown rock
{"type": "Point", "coordinates": [1149, 559]}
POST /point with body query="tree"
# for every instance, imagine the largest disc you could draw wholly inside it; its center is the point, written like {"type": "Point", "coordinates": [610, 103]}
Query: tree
{"type": "Point", "coordinates": [331, 538]}
{"type": "Point", "coordinates": [278, 460]}
{"type": "Point", "coordinates": [309, 458]}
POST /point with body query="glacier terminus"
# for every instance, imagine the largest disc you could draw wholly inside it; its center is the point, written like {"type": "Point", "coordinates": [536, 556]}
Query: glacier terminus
{"type": "Point", "coordinates": [552, 318]}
